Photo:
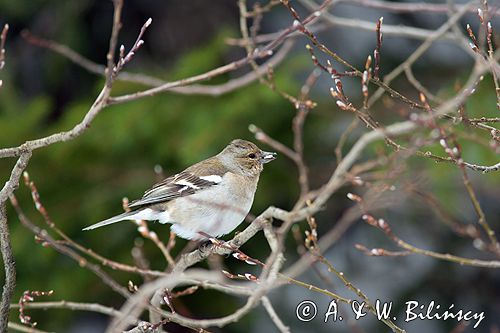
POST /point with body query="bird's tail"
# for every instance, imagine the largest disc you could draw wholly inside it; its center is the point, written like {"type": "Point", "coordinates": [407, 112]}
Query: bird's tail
{"type": "Point", "coordinates": [111, 220]}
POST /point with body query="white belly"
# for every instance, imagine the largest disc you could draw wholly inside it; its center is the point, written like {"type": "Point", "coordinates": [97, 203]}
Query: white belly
{"type": "Point", "coordinates": [215, 212]}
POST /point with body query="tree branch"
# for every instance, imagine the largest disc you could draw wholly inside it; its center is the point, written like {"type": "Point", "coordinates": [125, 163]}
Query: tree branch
{"type": "Point", "coordinates": [5, 246]}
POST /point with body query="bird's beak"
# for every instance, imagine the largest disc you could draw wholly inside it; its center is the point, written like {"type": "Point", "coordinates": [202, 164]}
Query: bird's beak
{"type": "Point", "coordinates": [267, 157]}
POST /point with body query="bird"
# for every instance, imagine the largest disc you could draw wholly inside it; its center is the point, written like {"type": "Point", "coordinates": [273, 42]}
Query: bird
{"type": "Point", "coordinates": [208, 199]}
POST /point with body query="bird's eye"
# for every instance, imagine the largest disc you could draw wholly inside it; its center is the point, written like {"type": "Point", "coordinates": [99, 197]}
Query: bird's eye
{"type": "Point", "coordinates": [251, 155]}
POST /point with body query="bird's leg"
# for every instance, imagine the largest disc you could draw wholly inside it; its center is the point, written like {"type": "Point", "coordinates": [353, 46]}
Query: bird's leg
{"type": "Point", "coordinates": [204, 245]}
{"type": "Point", "coordinates": [236, 252]}
{"type": "Point", "coordinates": [217, 242]}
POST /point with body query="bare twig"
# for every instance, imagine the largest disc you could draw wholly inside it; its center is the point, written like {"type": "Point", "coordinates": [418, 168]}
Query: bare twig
{"type": "Point", "coordinates": [124, 59]}
{"type": "Point", "coordinates": [21, 328]}
{"type": "Point", "coordinates": [405, 7]}
{"type": "Point", "coordinates": [199, 89]}
{"type": "Point", "coordinates": [143, 229]}
{"type": "Point", "coordinates": [27, 297]}
{"type": "Point", "coordinates": [104, 261]}
{"type": "Point", "coordinates": [263, 52]}
{"type": "Point", "coordinates": [454, 153]}
{"type": "Point", "coordinates": [421, 50]}
{"type": "Point", "coordinates": [74, 306]}
{"type": "Point", "coordinates": [303, 107]}
{"type": "Point", "coordinates": [323, 48]}
{"type": "Point", "coordinates": [376, 53]}
{"type": "Point", "coordinates": [5, 246]}
{"type": "Point", "coordinates": [274, 316]}
{"type": "Point", "coordinates": [113, 40]}
{"type": "Point", "coordinates": [49, 241]}
{"type": "Point", "coordinates": [378, 252]}
{"type": "Point", "coordinates": [384, 226]}
{"type": "Point", "coordinates": [3, 38]}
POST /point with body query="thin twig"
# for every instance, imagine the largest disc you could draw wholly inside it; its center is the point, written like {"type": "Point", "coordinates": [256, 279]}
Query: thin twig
{"type": "Point", "coordinates": [74, 306]}
{"type": "Point", "coordinates": [82, 262]}
{"type": "Point", "coordinates": [263, 52]}
{"type": "Point", "coordinates": [431, 38]}
{"type": "Point", "coordinates": [198, 89]}
{"type": "Point", "coordinates": [113, 40]}
{"type": "Point", "coordinates": [21, 328]}
{"type": "Point", "coordinates": [104, 261]}
{"type": "Point", "coordinates": [409, 7]}
{"type": "Point", "coordinates": [3, 38]}
{"type": "Point", "coordinates": [384, 226]}
{"type": "Point", "coordinates": [27, 297]}
{"type": "Point", "coordinates": [266, 303]}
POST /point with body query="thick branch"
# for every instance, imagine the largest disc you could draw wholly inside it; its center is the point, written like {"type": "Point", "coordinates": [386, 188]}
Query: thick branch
{"type": "Point", "coordinates": [5, 246]}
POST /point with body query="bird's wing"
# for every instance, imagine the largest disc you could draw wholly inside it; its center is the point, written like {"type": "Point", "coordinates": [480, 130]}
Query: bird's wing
{"type": "Point", "coordinates": [179, 185]}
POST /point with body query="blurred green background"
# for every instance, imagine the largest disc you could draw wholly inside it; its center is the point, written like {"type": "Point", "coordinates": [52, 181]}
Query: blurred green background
{"type": "Point", "coordinates": [84, 180]}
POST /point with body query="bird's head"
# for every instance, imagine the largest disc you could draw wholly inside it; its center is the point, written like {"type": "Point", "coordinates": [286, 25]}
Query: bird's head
{"type": "Point", "coordinates": [245, 157]}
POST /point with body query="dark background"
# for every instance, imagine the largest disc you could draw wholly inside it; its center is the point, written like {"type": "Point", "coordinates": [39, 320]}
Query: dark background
{"type": "Point", "coordinates": [83, 181]}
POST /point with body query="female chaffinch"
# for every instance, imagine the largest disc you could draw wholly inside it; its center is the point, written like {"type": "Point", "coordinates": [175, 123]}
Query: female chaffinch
{"type": "Point", "coordinates": [208, 199]}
